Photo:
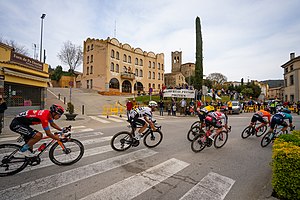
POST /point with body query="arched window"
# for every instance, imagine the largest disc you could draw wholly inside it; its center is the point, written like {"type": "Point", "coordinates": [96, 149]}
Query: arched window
{"type": "Point", "coordinates": [158, 67]}
{"type": "Point", "coordinates": [153, 86]}
{"type": "Point", "coordinates": [129, 59]}
{"type": "Point", "coordinates": [92, 47]}
{"type": "Point", "coordinates": [88, 48]}
{"type": "Point", "coordinates": [124, 58]}
{"type": "Point", "coordinates": [88, 60]}
{"type": "Point", "coordinates": [91, 70]}
{"type": "Point", "coordinates": [112, 66]}
{"type": "Point", "coordinates": [153, 65]}
{"type": "Point", "coordinates": [149, 85]}
{"type": "Point", "coordinates": [141, 62]}
{"type": "Point", "coordinates": [112, 54]}
{"type": "Point", "coordinates": [141, 73]}
{"type": "Point", "coordinates": [87, 70]}
{"type": "Point", "coordinates": [162, 66]}
{"type": "Point", "coordinates": [149, 75]}
{"type": "Point", "coordinates": [153, 76]}
{"type": "Point", "coordinates": [118, 56]}
{"type": "Point", "coordinates": [158, 76]}
{"type": "Point", "coordinates": [92, 58]}
{"type": "Point", "coordinates": [149, 65]}
{"type": "Point", "coordinates": [124, 69]}
{"type": "Point", "coordinates": [158, 86]}
{"type": "Point", "coordinates": [136, 61]}
{"type": "Point", "coordinates": [136, 72]}
{"type": "Point", "coordinates": [117, 68]}
{"type": "Point", "coordinates": [162, 77]}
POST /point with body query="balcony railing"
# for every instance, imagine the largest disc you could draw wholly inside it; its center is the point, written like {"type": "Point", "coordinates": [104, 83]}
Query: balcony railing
{"type": "Point", "coordinates": [128, 75]}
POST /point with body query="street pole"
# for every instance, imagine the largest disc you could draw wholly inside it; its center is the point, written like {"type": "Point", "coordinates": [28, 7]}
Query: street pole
{"type": "Point", "coordinates": [41, 45]}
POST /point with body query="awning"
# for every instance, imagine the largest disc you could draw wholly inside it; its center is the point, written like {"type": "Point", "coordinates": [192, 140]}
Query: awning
{"type": "Point", "coordinates": [22, 75]}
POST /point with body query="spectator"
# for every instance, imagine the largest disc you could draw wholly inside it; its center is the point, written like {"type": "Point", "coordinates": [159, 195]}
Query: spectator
{"type": "Point", "coordinates": [3, 107]}
{"type": "Point", "coordinates": [161, 108]}
{"type": "Point", "coordinates": [183, 106]}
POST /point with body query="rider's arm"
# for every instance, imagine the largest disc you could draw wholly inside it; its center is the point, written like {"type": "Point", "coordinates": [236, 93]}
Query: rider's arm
{"type": "Point", "coordinates": [150, 123]}
{"type": "Point", "coordinates": [48, 133]}
{"type": "Point", "coordinates": [52, 123]}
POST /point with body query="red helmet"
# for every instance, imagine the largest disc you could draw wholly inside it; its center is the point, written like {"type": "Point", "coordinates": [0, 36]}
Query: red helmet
{"type": "Point", "coordinates": [55, 108]}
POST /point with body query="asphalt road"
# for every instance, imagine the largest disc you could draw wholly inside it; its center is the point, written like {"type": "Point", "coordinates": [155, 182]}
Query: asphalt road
{"type": "Point", "coordinates": [239, 170]}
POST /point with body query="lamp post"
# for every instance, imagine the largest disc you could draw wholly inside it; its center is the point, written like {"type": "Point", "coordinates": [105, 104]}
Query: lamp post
{"type": "Point", "coordinates": [41, 48]}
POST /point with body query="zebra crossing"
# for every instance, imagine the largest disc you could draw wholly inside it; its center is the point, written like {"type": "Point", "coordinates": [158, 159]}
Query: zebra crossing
{"type": "Point", "coordinates": [35, 186]}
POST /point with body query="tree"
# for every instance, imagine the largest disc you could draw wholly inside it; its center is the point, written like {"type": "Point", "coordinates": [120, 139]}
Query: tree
{"type": "Point", "coordinates": [198, 81]}
{"type": "Point", "coordinates": [17, 47]}
{"type": "Point", "coordinates": [56, 73]}
{"type": "Point", "coordinates": [71, 55]}
{"type": "Point", "coordinates": [217, 79]}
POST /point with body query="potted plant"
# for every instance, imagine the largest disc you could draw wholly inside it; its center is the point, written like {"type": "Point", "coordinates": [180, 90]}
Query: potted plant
{"type": "Point", "coordinates": [70, 109]}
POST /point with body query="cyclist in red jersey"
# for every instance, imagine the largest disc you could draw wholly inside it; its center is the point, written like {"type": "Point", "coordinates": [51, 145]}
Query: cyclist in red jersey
{"type": "Point", "coordinates": [22, 122]}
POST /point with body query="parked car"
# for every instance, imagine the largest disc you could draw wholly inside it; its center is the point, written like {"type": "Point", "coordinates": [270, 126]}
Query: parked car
{"type": "Point", "coordinates": [236, 107]}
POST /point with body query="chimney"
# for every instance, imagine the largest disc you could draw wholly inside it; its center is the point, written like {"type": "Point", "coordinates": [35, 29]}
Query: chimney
{"type": "Point", "coordinates": [292, 56]}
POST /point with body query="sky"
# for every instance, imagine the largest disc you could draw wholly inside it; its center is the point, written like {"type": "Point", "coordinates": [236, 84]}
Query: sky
{"type": "Point", "coordinates": [247, 39]}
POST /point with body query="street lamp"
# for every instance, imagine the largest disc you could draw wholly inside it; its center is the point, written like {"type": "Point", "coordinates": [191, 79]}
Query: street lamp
{"type": "Point", "coordinates": [41, 48]}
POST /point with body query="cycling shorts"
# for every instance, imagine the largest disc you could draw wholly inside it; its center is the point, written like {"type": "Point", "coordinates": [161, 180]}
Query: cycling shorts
{"type": "Point", "coordinates": [22, 129]}
{"type": "Point", "coordinates": [201, 116]}
{"type": "Point", "coordinates": [211, 121]}
{"type": "Point", "coordinates": [259, 118]}
{"type": "Point", "coordinates": [136, 121]}
{"type": "Point", "coordinates": [279, 121]}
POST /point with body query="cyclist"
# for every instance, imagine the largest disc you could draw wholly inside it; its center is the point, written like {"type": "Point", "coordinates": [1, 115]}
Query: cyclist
{"type": "Point", "coordinates": [143, 116]}
{"type": "Point", "coordinates": [279, 118]}
{"type": "Point", "coordinates": [202, 112]}
{"type": "Point", "coordinates": [22, 122]}
{"type": "Point", "coordinates": [215, 119]}
{"type": "Point", "coordinates": [261, 116]}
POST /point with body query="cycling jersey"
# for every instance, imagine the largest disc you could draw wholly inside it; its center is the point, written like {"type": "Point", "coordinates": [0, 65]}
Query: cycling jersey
{"type": "Point", "coordinates": [279, 118]}
{"type": "Point", "coordinates": [218, 116]}
{"type": "Point", "coordinates": [264, 113]}
{"type": "Point", "coordinates": [33, 117]}
{"type": "Point", "coordinates": [141, 112]}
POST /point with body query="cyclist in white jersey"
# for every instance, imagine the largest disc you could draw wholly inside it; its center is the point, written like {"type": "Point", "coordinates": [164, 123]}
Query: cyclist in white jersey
{"type": "Point", "coordinates": [143, 116]}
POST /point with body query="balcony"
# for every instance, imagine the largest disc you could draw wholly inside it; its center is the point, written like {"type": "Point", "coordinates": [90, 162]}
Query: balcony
{"type": "Point", "coordinates": [128, 75]}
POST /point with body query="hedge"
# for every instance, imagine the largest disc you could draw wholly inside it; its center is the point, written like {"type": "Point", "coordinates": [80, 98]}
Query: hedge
{"type": "Point", "coordinates": [286, 166]}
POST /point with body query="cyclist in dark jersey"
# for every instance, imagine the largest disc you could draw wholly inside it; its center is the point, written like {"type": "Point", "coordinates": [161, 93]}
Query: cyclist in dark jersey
{"type": "Point", "coordinates": [279, 118]}
{"type": "Point", "coordinates": [22, 122]}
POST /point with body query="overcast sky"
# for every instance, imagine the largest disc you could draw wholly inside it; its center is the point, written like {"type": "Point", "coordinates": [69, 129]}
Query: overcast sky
{"type": "Point", "coordinates": [247, 39]}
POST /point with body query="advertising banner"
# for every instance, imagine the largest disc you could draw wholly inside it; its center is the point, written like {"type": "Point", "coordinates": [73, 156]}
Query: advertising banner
{"type": "Point", "coordinates": [180, 93]}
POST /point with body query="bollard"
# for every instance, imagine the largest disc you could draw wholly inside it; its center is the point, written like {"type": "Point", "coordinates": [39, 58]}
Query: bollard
{"type": "Point", "coordinates": [58, 96]}
{"type": "Point", "coordinates": [82, 109]}
{"type": "Point", "coordinates": [64, 100]}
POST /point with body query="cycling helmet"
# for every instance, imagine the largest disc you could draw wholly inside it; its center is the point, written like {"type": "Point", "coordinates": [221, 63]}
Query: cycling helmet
{"type": "Point", "coordinates": [152, 104]}
{"type": "Point", "coordinates": [55, 108]}
{"type": "Point", "coordinates": [210, 108]}
{"type": "Point", "coordinates": [285, 110]}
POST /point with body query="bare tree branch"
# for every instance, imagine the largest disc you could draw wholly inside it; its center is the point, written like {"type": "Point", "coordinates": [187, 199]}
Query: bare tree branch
{"type": "Point", "coordinates": [18, 48]}
{"type": "Point", "coordinates": [71, 55]}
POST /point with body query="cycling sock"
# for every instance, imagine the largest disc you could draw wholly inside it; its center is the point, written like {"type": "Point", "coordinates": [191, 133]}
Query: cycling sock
{"type": "Point", "coordinates": [24, 148]}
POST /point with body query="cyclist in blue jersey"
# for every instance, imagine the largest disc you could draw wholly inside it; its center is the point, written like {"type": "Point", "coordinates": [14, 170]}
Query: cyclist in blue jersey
{"type": "Point", "coordinates": [279, 118]}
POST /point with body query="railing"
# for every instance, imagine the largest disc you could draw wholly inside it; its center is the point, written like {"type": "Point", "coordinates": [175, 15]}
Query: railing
{"type": "Point", "coordinates": [127, 75]}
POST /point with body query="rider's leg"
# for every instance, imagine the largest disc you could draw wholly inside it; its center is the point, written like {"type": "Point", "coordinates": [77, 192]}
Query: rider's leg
{"type": "Point", "coordinates": [37, 137]}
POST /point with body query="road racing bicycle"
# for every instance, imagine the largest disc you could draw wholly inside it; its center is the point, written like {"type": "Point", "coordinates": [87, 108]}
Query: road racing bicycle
{"type": "Point", "coordinates": [251, 130]}
{"type": "Point", "coordinates": [66, 151]}
{"type": "Point", "coordinates": [271, 136]}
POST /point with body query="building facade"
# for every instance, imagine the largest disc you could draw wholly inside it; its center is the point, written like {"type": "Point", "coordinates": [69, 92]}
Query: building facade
{"type": "Point", "coordinates": [23, 80]}
{"type": "Point", "coordinates": [109, 65]}
{"type": "Point", "coordinates": [291, 79]}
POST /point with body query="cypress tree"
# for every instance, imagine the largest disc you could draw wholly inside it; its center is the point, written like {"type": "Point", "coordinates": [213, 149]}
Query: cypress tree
{"type": "Point", "coordinates": [199, 57]}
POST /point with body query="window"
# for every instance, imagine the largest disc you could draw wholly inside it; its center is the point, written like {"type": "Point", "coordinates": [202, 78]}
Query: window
{"type": "Point", "coordinates": [136, 61]}
{"type": "Point", "coordinates": [117, 68]}
{"type": "Point", "coordinates": [158, 67]}
{"type": "Point", "coordinates": [292, 98]}
{"type": "Point", "coordinates": [112, 66]}
{"type": "Point", "coordinates": [91, 70]}
{"type": "Point", "coordinates": [153, 65]}
{"type": "Point", "coordinates": [141, 73]}
{"type": "Point", "coordinates": [158, 86]}
{"type": "Point", "coordinates": [136, 72]}
{"type": "Point", "coordinates": [91, 83]}
{"type": "Point", "coordinates": [118, 56]}
{"type": "Point", "coordinates": [88, 60]}
{"type": "Point", "coordinates": [149, 75]}
{"type": "Point", "coordinates": [292, 67]}
{"type": "Point", "coordinates": [149, 65]}
{"type": "Point", "coordinates": [112, 54]}
{"type": "Point", "coordinates": [286, 70]}
{"type": "Point", "coordinates": [149, 85]}
{"type": "Point", "coordinates": [153, 86]}
{"type": "Point", "coordinates": [92, 47]}
{"type": "Point", "coordinates": [87, 70]}
{"type": "Point", "coordinates": [129, 59]}
{"type": "Point", "coordinates": [153, 76]}
{"type": "Point", "coordinates": [162, 77]}
{"type": "Point", "coordinates": [92, 58]}
{"type": "Point", "coordinates": [87, 84]}
{"type": "Point", "coordinates": [162, 66]}
{"type": "Point", "coordinates": [88, 48]}
{"type": "Point", "coordinates": [141, 62]}
{"type": "Point", "coordinates": [124, 58]}
{"type": "Point", "coordinates": [285, 82]}
{"type": "Point", "coordinates": [158, 76]}
{"type": "Point", "coordinates": [124, 69]}
{"type": "Point", "coordinates": [291, 79]}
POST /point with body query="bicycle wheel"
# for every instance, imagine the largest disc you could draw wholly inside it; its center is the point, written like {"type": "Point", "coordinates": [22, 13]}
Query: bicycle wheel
{"type": "Point", "coordinates": [220, 139]}
{"type": "Point", "coordinates": [153, 138]}
{"type": "Point", "coordinates": [199, 142]}
{"type": "Point", "coordinates": [261, 131]}
{"type": "Point", "coordinates": [71, 154]}
{"type": "Point", "coordinates": [266, 140]}
{"type": "Point", "coordinates": [121, 141]}
{"type": "Point", "coordinates": [196, 123]}
{"type": "Point", "coordinates": [246, 132]}
{"type": "Point", "coordinates": [9, 162]}
{"type": "Point", "coordinates": [193, 132]}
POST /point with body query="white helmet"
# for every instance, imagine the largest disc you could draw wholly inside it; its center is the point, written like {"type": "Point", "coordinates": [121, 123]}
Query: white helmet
{"type": "Point", "coordinates": [152, 104]}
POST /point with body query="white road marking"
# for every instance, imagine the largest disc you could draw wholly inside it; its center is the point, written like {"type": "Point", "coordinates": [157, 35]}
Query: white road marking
{"type": "Point", "coordinates": [100, 120]}
{"type": "Point", "coordinates": [139, 183]}
{"type": "Point", "coordinates": [111, 118]}
{"type": "Point", "coordinates": [212, 187]}
{"type": "Point", "coordinates": [89, 152]}
{"type": "Point", "coordinates": [49, 183]}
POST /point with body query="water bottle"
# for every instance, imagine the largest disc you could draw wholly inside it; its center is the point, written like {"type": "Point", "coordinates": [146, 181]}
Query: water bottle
{"type": "Point", "coordinates": [42, 147]}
